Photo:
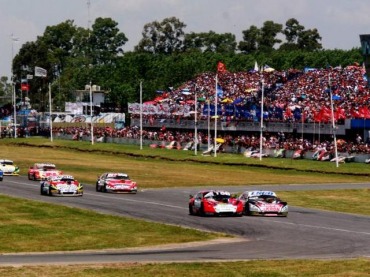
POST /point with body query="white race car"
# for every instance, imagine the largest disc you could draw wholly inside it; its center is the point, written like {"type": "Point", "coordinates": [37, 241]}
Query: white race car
{"type": "Point", "coordinates": [9, 168]}
{"type": "Point", "coordinates": [265, 203]}
{"type": "Point", "coordinates": [63, 185]}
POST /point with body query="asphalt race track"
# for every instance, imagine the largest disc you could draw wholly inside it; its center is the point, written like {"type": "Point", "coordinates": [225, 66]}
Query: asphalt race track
{"type": "Point", "coordinates": [305, 233]}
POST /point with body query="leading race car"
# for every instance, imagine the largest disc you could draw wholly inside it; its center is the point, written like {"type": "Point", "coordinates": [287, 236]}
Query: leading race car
{"type": "Point", "coordinates": [9, 168]}
{"type": "Point", "coordinates": [265, 203]}
{"type": "Point", "coordinates": [115, 182]}
{"type": "Point", "coordinates": [41, 171]}
{"type": "Point", "coordinates": [63, 185]}
{"type": "Point", "coordinates": [214, 202]}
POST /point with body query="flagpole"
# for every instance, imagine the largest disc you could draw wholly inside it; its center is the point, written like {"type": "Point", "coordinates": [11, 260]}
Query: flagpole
{"type": "Point", "coordinates": [261, 134]}
{"type": "Point", "coordinates": [215, 142]}
{"type": "Point", "coordinates": [195, 122]}
{"type": "Point", "coordinates": [209, 123]}
{"type": "Point", "coordinates": [333, 125]}
{"type": "Point", "coordinates": [91, 116]}
{"type": "Point", "coordinates": [14, 39]}
{"type": "Point", "coordinates": [141, 115]}
{"type": "Point", "coordinates": [50, 117]}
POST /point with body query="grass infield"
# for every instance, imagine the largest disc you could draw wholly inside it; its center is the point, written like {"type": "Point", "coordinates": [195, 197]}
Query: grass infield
{"type": "Point", "coordinates": [22, 221]}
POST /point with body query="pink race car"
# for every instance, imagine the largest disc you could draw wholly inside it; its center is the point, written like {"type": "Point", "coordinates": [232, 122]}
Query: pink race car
{"type": "Point", "coordinates": [265, 203]}
{"type": "Point", "coordinates": [116, 182]}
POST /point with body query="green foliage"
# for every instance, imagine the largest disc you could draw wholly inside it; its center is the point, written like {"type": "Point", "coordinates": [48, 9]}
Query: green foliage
{"type": "Point", "coordinates": [165, 57]}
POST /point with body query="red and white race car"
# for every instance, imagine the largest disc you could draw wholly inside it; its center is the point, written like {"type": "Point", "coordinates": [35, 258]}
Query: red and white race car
{"type": "Point", "coordinates": [115, 182]}
{"type": "Point", "coordinates": [214, 202]}
{"type": "Point", "coordinates": [41, 171]}
{"type": "Point", "coordinates": [265, 203]}
{"type": "Point", "coordinates": [63, 185]}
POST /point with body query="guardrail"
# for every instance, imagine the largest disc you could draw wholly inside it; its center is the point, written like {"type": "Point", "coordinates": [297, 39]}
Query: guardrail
{"type": "Point", "coordinates": [294, 127]}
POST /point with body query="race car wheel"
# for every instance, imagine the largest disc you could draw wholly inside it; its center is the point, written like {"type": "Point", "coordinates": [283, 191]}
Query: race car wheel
{"type": "Point", "coordinates": [104, 188]}
{"type": "Point", "coordinates": [201, 210]}
{"type": "Point", "coordinates": [247, 211]}
{"type": "Point", "coordinates": [29, 177]}
{"type": "Point", "coordinates": [191, 212]}
{"type": "Point", "coordinates": [34, 177]}
{"type": "Point", "coordinates": [42, 190]}
{"type": "Point", "coordinates": [49, 192]}
{"type": "Point", "coordinates": [97, 187]}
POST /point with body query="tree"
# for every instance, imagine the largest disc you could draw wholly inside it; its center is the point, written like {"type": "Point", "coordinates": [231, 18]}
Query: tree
{"type": "Point", "coordinates": [249, 44]}
{"type": "Point", "coordinates": [292, 31]}
{"type": "Point", "coordinates": [5, 89]}
{"type": "Point", "coordinates": [268, 36]}
{"type": "Point", "coordinates": [299, 38]}
{"type": "Point", "coordinates": [105, 41]}
{"type": "Point", "coordinates": [210, 42]}
{"type": "Point", "coordinates": [309, 40]}
{"type": "Point", "coordinates": [164, 37]}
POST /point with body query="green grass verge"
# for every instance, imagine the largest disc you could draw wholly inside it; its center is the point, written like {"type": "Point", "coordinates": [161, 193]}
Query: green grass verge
{"type": "Point", "coordinates": [161, 168]}
{"type": "Point", "coordinates": [274, 268]}
{"type": "Point", "coordinates": [29, 226]}
{"type": "Point", "coordinates": [355, 201]}
{"type": "Point", "coordinates": [153, 168]}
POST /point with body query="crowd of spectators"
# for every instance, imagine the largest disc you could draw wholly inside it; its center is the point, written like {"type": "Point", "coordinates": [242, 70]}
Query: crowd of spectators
{"type": "Point", "coordinates": [237, 142]}
{"type": "Point", "coordinates": [290, 95]}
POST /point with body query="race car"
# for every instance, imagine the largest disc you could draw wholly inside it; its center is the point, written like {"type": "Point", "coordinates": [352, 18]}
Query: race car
{"type": "Point", "coordinates": [62, 185]}
{"type": "Point", "coordinates": [214, 202]}
{"type": "Point", "coordinates": [9, 168]}
{"type": "Point", "coordinates": [41, 171]}
{"type": "Point", "coordinates": [115, 182]}
{"type": "Point", "coordinates": [1, 175]}
{"type": "Point", "coordinates": [264, 203]}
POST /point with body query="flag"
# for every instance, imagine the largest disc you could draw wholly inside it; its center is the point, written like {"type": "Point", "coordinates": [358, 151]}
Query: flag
{"type": "Point", "coordinates": [40, 72]}
{"type": "Point", "coordinates": [25, 87]}
{"type": "Point", "coordinates": [256, 66]}
{"type": "Point", "coordinates": [221, 68]}
{"type": "Point", "coordinates": [220, 92]}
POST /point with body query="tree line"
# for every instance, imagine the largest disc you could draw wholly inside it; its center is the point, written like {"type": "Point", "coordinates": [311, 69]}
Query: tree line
{"type": "Point", "coordinates": [166, 56]}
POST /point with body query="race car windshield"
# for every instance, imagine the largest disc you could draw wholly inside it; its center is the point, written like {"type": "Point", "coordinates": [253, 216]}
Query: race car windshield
{"type": "Point", "coordinates": [46, 168]}
{"type": "Point", "coordinates": [67, 179]}
{"type": "Point", "coordinates": [221, 197]}
{"type": "Point", "coordinates": [267, 198]}
{"type": "Point", "coordinates": [119, 177]}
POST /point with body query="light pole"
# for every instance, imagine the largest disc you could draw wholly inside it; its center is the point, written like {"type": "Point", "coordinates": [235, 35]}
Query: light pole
{"type": "Point", "coordinates": [91, 116]}
{"type": "Point", "coordinates": [50, 117]}
{"type": "Point", "coordinates": [141, 115]}
{"type": "Point", "coordinates": [261, 134]}
{"type": "Point", "coordinates": [333, 124]}
{"type": "Point", "coordinates": [195, 122]}
{"type": "Point", "coordinates": [14, 39]}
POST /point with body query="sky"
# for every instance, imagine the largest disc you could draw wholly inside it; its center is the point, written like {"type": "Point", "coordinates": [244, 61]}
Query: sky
{"type": "Point", "coordinates": [339, 22]}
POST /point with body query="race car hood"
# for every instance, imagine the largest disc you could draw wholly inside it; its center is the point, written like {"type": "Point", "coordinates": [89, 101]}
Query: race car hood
{"type": "Point", "coordinates": [49, 173]}
{"type": "Point", "coordinates": [269, 207]}
{"type": "Point", "coordinates": [113, 182]}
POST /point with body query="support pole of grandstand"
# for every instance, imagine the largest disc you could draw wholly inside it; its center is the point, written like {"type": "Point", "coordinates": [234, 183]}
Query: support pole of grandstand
{"type": "Point", "coordinates": [333, 125]}
{"type": "Point", "coordinates": [15, 110]}
{"type": "Point", "coordinates": [261, 134]}
{"type": "Point", "coordinates": [141, 115]}
{"type": "Point", "coordinates": [14, 39]}
{"type": "Point", "coordinates": [50, 117]}
{"type": "Point", "coordinates": [216, 96]}
{"type": "Point", "coordinates": [209, 124]}
{"type": "Point", "coordinates": [91, 116]}
{"type": "Point", "coordinates": [195, 121]}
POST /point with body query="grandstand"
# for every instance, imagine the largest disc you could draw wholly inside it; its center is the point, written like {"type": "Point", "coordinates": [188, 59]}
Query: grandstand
{"type": "Point", "coordinates": [296, 102]}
